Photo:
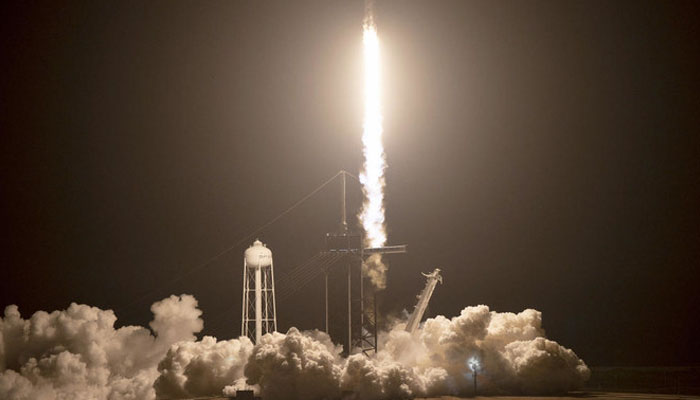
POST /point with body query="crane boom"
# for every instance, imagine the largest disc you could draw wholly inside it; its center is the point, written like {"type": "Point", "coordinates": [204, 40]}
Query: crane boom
{"type": "Point", "coordinates": [423, 300]}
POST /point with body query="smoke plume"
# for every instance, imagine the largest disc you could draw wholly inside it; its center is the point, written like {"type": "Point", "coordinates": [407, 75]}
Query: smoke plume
{"type": "Point", "coordinates": [78, 354]}
{"type": "Point", "coordinates": [204, 368]}
{"type": "Point", "coordinates": [509, 352]}
{"type": "Point", "coordinates": [296, 365]}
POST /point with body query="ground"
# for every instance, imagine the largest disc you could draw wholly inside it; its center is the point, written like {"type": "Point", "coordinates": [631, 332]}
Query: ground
{"type": "Point", "coordinates": [584, 395]}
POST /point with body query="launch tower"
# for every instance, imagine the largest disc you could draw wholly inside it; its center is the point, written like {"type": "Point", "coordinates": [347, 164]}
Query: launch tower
{"type": "Point", "coordinates": [362, 318]}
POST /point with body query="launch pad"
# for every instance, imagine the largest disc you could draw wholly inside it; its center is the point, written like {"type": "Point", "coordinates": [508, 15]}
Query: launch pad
{"type": "Point", "coordinates": [351, 307]}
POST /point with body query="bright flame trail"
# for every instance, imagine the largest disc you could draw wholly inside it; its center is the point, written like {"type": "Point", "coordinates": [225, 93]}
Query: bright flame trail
{"type": "Point", "coordinates": [372, 175]}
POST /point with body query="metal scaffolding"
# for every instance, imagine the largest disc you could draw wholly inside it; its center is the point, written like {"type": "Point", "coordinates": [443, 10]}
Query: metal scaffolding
{"type": "Point", "coordinates": [361, 336]}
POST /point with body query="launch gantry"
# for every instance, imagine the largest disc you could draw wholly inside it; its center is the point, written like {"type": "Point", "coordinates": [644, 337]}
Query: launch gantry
{"type": "Point", "coordinates": [362, 321]}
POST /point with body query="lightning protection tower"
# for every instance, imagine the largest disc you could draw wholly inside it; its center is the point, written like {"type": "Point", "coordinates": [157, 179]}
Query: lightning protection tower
{"type": "Point", "coordinates": [259, 308]}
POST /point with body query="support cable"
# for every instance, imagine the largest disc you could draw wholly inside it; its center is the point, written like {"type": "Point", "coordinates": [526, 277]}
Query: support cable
{"type": "Point", "coordinates": [320, 264]}
{"type": "Point", "coordinates": [291, 279]}
{"type": "Point", "coordinates": [287, 290]}
{"type": "Point", "coordinates": [299, 269]}
{"type": "Point", "coordinates": [310, 276]}
{"type": "Point", "coordinates": [235, 245]}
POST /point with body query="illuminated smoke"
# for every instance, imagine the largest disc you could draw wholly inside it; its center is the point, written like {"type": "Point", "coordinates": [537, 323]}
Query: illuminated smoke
{"type": "Point", "coordinates": [78, 354]}
{"type": "Point", "coordinates": [508, 350]}
{"type": "Point", "coordinates": [372, 175]}
{"type": "Point", "coordinates": [296, 366]}
{"type": "Point", "coordinates": [203, 368]}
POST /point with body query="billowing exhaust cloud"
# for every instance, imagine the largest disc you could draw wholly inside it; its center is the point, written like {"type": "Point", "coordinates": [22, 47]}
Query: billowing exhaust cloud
{"type": "Point", "coordinates": [204, 368]}
{"type": "Point", "coordinates": [78, 354]}
{"type": "Point", "coordinates": [509, 351]}
{"type": "Point", "coordinates": [296, 366]}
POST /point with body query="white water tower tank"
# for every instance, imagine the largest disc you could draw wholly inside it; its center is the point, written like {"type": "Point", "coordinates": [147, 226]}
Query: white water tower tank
{"type": "Point", "coordinates": [258, 255]}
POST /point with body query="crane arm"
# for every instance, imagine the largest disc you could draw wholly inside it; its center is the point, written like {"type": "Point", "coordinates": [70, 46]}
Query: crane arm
{"type": "Point", "coordinates": [423, 299]}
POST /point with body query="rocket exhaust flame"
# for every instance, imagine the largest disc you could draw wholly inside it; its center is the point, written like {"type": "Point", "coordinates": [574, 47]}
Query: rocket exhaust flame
{"type": "Point", "coordinates": [372, 175]}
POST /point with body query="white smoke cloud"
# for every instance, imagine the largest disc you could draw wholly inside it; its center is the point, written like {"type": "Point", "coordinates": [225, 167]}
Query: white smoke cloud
{"type": "Point", "coordinates": [204, 368]}
{"type": "Point", "coordinates": [383, 378]}
{"type": "Point", "coordinates": [511, 349]}
{"type": "Point", "coordinates": [513, 354]}
{"type": "Point", "coordinates": [542, 366]}
{"type": "Point", "coordinates": [78, 354]}
{"type": "Point", "coordinates": [375, 269]}
{"type": "Point", "coordinates": [296, 365]}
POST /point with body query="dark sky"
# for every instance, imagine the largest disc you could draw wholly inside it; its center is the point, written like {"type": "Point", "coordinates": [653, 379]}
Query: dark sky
{"type": "Point", "coordinates": [543, 154]}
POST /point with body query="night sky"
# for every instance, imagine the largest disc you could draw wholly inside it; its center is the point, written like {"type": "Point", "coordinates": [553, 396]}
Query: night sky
{"type": "Point", "coordinates": [543, 154]}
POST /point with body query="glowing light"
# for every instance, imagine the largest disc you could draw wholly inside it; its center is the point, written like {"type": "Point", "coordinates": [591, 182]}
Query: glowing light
{"type": "Point", "coordinates": [372, 175]}
{"type": "Point", "coordinates": [474, 364]}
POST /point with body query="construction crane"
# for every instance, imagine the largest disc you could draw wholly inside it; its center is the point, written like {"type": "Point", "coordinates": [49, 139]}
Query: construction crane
{"type": "Point", "coordinates": [423, 299]}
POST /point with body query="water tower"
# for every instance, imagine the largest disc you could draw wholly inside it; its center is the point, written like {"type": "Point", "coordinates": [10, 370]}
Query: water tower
{"type": "Point", "coordinates": [259, 308]}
